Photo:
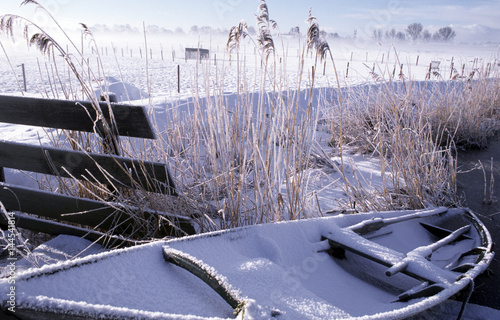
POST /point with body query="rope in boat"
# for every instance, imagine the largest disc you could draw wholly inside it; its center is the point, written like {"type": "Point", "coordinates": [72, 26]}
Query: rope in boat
{"type": "Point", "coordinates": [470, 287]}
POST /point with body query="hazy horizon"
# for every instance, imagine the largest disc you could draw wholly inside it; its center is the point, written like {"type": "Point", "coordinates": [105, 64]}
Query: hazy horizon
{"type": "Point", "coordinates": [472, 20]}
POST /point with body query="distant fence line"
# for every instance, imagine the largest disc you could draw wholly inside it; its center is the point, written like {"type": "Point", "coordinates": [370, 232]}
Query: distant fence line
{"type": "Point", "coordinates": [159, 54]}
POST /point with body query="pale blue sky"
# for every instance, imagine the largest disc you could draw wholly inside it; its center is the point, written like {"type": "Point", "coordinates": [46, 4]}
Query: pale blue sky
{"type": "Point", "coordinates": [334, 15]}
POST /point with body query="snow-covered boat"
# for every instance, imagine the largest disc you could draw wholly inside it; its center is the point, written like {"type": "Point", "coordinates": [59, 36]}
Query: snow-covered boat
{"type": "Point", "coordinates": [380, 265]}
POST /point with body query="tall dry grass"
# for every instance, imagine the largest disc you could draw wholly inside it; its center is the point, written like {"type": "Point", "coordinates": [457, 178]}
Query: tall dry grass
{"type": "Point", "coordinates": [416, 129]}
{"type": "Point", "coordinates": [244, 156]}
{"type": "Point", "coordinates": [242, 159]}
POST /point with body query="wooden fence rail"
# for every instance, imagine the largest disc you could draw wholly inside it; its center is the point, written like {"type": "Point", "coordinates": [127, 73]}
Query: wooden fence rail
{"type": "Point", "coordinates": [95, 220]}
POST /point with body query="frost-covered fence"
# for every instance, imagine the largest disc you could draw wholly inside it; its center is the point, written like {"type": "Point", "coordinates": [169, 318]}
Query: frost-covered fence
{"type": "Point", "coordinates": [102, 171]}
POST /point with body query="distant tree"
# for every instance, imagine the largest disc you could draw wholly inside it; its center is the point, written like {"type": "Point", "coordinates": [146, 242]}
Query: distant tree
{"type": "Point", "coordinates": [153, 29]}
{"type": "Point", "coordinates": [444, 34]}
{"type": "Point", "coordinates": [414, 30]}
{"type": "Point", "coordinates": [194, 29]}
{"type": "Point", "coordinates": [295, 31]}
{"type": "Point", "coordinates": [400, 36]}
{"type": "Point", "coordinates": [100, 28]}
{"type": "Point", "coordinates": [205, 30]}
{"type": "Point", "coordinates": [251, 30]}
{"type": "Point", "coordinates": [391, 34]}
{"type": "Point", "coordinates": [125, 28]}
{"type": "Point", "coordinates": [377, 34]}
{"type": "Point", "coordinates": [426, 35]}
{"type": "Point", "coordinates": [179, 30]}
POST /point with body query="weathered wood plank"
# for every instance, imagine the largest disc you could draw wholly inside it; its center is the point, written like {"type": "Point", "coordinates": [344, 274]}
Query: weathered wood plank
{"type": "Point", "coordinates": [74, 115]}
{"type": "Point", "coordinates": [82, 211]}
{"type": "Point", "coordinates": [54, 228]}
{"type": "Point", "coordinates": [121, 172]}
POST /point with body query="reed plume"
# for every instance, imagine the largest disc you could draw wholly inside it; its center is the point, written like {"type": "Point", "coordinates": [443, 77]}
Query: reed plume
{"type": "Point", "coordinates": [236, 34]}
{"type": "Point", "coordinates": [265, 40]}
{"type": "Point", "coordinates": [315, 42]}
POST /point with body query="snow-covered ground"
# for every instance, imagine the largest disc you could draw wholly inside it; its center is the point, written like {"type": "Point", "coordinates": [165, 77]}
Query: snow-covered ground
{"type": "Point", "coordinates": [156, 83]}
{"type": "Point", "coordinates": [163, 80]}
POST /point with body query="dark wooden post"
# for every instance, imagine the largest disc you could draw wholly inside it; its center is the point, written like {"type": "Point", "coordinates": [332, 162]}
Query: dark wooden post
{"type": "Point", "coordinates": [178, 78]}
{"type": "Point", "coordinates": [110, 139]}
{"type": "Point", "coordinates": [24, 77]}
{"type": "Point", "coordinates": [2, 175]}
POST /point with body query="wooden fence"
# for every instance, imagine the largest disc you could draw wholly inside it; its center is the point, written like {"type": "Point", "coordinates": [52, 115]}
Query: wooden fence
{"type": "Point", "coordinates": [95, 220]}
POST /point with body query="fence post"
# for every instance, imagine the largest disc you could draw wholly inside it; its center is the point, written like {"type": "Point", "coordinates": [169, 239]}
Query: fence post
{"type": "Point", "coordinates": [178, 78]}
{"type": "Point", "coordinates": [24, 77]}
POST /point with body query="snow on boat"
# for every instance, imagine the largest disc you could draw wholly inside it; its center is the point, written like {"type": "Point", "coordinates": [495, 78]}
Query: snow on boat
{"type": "Point", "coordinates": [380, 265]}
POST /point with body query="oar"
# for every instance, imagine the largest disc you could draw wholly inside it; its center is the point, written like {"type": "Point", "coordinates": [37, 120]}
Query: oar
{"type": "Point", "coordinates": [426, 251]}
{"type": "Point", "coordinates": [375, 224]}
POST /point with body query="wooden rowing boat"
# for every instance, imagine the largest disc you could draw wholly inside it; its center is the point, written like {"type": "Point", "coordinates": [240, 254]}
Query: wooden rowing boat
{"type": "Point", "coordinates": [379, 265]}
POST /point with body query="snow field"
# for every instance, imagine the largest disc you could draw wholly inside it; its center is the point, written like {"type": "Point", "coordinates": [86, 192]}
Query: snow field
{"type": "Point", "coordinates": [238, 132]}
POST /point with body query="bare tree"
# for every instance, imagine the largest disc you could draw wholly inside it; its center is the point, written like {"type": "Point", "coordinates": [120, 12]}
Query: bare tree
{"type": "Point", "coordinates": [295, 31]}
{"type": "Point", "coordinates": [377, 34]}
{"type": "Point", "coordinates": [444, 34]}
{"type": "Point", "coordinates": [400, 36]}
{"type": "Point", "coordinates": [426, 35]}
{"type": "Point", "coordinates": [251, 31]}
{"type": "Point", "coordinates": [414, 30]}
{"type": "Point", "coordinates": [391, 34]}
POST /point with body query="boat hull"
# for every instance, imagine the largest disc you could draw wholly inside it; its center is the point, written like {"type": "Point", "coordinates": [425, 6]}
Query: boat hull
{"type": "Point", "coordinates": [286, 269]}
